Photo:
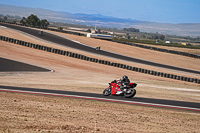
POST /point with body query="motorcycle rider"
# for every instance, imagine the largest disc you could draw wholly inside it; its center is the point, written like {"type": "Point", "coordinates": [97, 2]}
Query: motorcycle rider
{"type": "Point", "coordinates": [98, 48]}
{"type": "Point", "coordinates": [40, 33]}
{"type": "Point", "coordinates": [121, 87]}
{"type": "Point", "coordinates": [124, 83]}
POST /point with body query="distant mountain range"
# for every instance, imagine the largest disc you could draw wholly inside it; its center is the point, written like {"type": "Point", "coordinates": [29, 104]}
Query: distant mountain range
{"type": "Point", "coordinates": [184, 29]}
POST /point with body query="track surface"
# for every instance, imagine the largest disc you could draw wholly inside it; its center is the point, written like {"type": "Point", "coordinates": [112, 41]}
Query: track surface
{"type": "Point", "coordinates": [7, 65]}
{"type": "Point", "coordinates": [10, 65]}
{"type": "Point", "coordinates": [119, 99]}
{"type": "Point", "coordinates": [66, 42]}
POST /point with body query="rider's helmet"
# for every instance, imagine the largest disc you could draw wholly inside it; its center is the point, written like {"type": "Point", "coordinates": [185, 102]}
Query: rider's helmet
{"type": "Point", "coordinates": [124, 77]}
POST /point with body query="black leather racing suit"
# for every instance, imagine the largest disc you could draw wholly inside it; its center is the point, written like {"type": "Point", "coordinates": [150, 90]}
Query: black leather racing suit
{"type": "Point", "coordinates": [125, 83]}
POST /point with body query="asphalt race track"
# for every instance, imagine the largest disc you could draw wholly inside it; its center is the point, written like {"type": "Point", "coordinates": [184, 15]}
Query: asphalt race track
{"type": "Point", "coordinates": [7, 65]}
{"type": "Point", "coordinates": [118, 99]}
{"type": "Point", "coordinates": [65, 42]}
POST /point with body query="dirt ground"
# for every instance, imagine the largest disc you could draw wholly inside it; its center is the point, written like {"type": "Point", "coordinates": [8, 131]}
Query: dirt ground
{"type": "Point", "coordinates": [30, 113]}
{"type": "Point", "coordinates": [186, 50]}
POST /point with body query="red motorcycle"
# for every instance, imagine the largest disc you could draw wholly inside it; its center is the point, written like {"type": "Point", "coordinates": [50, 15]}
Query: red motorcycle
{"type": "Point", "coordinates": [114, 89]}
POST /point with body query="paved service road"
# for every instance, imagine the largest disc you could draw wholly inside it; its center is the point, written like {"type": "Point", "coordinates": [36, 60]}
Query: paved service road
{"type": "Point", "coordinates": [118, 99]}
{"type": "Point", "coordinates": [66, 42]}
{"type": "Point", "coordinates": [7, 65]}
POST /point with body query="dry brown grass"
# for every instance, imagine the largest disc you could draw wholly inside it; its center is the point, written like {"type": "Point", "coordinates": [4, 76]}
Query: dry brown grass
{"type": "Point", "coordinates": [29, 113]}
{"type": "Point", "coordinates": [186, 50]}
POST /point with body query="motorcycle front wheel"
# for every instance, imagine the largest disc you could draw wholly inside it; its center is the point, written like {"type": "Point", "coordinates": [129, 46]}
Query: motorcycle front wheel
{"type": "Point", "coordinates": [107, 92]}
{"type": "Point", "coordinates": [130, 93]}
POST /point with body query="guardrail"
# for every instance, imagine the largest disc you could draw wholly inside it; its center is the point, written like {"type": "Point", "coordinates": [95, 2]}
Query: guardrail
{"type": "Point", "coordinates": [95, 60]}
{"type": "Point", "coordinates": [127, 43]}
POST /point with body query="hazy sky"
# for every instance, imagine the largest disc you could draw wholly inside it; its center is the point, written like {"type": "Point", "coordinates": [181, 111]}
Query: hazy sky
{"type": "Point", "coordinates": [166, 11]}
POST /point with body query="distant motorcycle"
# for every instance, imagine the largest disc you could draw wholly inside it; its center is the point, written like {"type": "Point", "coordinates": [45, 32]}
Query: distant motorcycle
{"type": "Point", "coordinates": [40, 33]}
{"type": "Point", "coordinates": [114, 89]}
{"type": "Point", "coordinates": [98, 48]}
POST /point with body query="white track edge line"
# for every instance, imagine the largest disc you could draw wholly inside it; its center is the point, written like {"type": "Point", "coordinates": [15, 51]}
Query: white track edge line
{"type": "Point", "coordinates": [143, 103]}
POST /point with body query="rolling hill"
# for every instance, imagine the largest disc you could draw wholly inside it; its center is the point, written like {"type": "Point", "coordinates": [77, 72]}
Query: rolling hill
{"type": "Point", "coordinates": [183, 29]}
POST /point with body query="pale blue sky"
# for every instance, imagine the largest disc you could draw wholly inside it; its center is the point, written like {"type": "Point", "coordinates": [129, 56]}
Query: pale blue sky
{"type": "Point", "coordinates": [165, 11]}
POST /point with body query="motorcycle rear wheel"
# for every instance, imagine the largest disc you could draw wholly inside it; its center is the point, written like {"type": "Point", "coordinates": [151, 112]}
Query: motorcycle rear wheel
{"type": "Point", "coordinates": [131, 94]}
{"type": "Point", "coordinates": [107, 92]}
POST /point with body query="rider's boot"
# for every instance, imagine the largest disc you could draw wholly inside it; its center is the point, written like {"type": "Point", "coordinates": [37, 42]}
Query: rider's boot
{"type": "Point", "coordinates": [119, 92]}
